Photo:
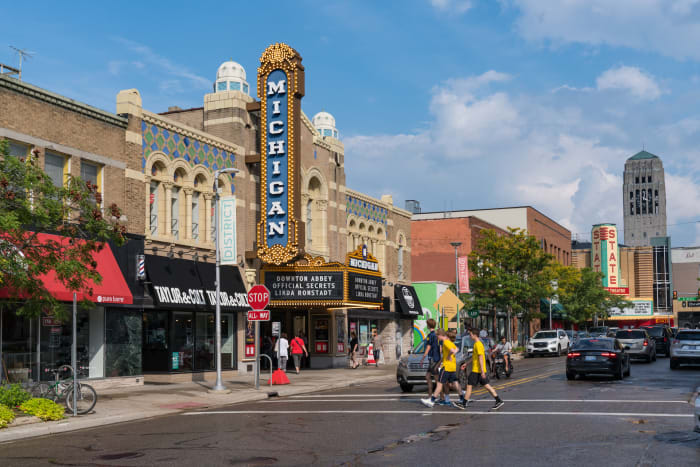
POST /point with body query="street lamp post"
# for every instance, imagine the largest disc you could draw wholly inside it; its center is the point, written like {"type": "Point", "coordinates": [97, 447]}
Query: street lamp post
{"type": "Point", "coordinates": [456, 245]}
{"type": "Point", "coordinates": [219, 386]}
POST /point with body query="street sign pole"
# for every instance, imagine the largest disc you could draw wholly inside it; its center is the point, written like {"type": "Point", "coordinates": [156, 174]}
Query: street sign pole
{"type": "Point", "coordinates": [257, 356]}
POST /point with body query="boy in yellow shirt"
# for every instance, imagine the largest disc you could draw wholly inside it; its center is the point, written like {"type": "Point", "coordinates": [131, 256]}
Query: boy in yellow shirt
{"type": "Point", "coordinates": [448, 372]}
{"type": "Point", "coordinates": [478, 373]}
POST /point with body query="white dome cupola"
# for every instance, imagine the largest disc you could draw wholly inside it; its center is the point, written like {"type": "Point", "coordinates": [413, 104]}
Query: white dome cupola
{"type": "Point", "coordinates": [231, 77]}
{"type": "Point", "coordinates": [325, 124]}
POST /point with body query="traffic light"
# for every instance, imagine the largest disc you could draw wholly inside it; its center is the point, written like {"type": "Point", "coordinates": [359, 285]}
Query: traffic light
{"type": "Point", "coordinates": [675, 294]}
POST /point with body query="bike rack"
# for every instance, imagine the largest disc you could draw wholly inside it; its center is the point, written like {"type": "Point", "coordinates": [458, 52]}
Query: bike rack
{"type": "Point", "coordinates": [268, 357]}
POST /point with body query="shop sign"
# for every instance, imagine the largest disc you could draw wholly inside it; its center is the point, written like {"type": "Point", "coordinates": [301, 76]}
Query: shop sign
{"type": "Point", "coordinates": [178, 296]}
{"type": "Point", "coordinates": [280, 89]}
{"type": "Point", "coordinates": [363, 260]}
{"type": "Point", "coordinates": [364, 288]}
{"type": "Point", "coordinates": [305, 285]}
{"type": "Point", "coordinates": [321, 347]}
{"type": "Point", "coordinates": [463, 273]}
{"type": "Point", "coordinates": [639, 308]}
{"type": "Point", "coordinates": [618, 290]}
{"type": "Point", "coordinates": [250, 350]}
{"type": "Point", "coordinates": [50, 322]}
{"type": "Point", "coordinates": [473, 313]}
{"type": "Point", "coordinates": [691, 303]}
{"type": "Point", "coordinates": [605, 253]}
{"type": "Point", "coordinates": [226, 233]}
{"type": "Point", "coordinates": [176, 360]}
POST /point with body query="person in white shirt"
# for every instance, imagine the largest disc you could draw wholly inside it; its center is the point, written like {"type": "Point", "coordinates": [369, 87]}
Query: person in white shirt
{"type": "Point", "coordinates": [282, 352]}
{"type": "Point", "coordinates": [505, 348]}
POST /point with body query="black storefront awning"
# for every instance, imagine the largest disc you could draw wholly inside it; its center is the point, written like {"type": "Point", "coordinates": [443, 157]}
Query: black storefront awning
{"type": "Point", "coordinates": [407, 300]}
{"type": "Point", "coordinates": [188, 285]}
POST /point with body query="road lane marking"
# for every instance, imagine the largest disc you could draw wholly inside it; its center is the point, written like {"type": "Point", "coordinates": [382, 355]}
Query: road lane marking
{"type": "Point", "coordinates": [424, 412]}
{"type": "Point", "coordinates": [410, 398]}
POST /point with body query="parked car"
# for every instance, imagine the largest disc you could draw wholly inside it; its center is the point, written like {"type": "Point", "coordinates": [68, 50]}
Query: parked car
{"type": "Point", "coordinates": [554, 342]}
{"type": "Point", "coordinates": [410, 371]}
{"type": "Point", "coordinates": [598, 331]}
{"type": "Point", "coordinates": [663, 337]}
{"type": "Point", "coordinates": [600, 355]}
{"type": "Point", "coordinates": [685, 348]}
{"type": "Point", "coordinates": [638, 343]}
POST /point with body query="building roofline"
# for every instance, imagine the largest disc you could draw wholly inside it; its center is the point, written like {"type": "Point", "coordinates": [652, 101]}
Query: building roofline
{"type": "Point", "coordinates": [180, 110]}
{"type": "Point", "coordinates": [485, 209]}
{"type": "Point", "coordinates": [41, 94]}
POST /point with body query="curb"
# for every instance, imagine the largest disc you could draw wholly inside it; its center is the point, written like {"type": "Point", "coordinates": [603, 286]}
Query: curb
{"type": "Point", "coordinates": [36, 430]}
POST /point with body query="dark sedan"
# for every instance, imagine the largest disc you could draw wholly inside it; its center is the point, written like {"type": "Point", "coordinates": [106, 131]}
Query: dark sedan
{"type": "Point", "coordinates": [663, 337]}
{"type": "Point", "coordinates": [600, 355]}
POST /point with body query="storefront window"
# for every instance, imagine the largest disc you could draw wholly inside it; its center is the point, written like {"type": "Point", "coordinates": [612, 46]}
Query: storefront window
{"type": "Point", "coordinates": [206, 342]}
{"type": "Point", "coordinates": [18, 346]}
{"type": "Point", "coordinates": [228, 341]}
{"type": "Point", "coordinates": [123, 343]}
{"type": "Point", "coordinates": [182, 341]}
{"type": "Point", "coordinates": [155, 343]}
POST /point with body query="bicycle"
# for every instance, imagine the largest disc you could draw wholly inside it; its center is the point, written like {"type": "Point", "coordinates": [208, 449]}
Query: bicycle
{"type": "Point", "coordinates": [62, 389]}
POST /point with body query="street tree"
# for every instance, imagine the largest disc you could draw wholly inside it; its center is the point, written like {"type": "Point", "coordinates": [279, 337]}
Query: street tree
{"type": "Point", "coordinates": [510, 272]}
{"type": "Point", "coordinates": [30, 203]}
{"type": "Point", "coordinates": [581, 293]}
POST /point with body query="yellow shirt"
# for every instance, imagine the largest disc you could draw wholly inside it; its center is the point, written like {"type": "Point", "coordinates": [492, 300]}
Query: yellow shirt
{"type": "Point", "coordinates": [477, 352]}
{"type": "Point", "coordinates": [449, 362]}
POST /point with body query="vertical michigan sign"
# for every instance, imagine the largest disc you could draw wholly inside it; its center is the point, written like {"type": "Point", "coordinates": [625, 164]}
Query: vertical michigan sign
{"type": "Point", "coordinates": [280, 89]}
{"type": "Point", "coordinates": [227, 230]}
{"type": "Point", "coordinates": [604, 253]}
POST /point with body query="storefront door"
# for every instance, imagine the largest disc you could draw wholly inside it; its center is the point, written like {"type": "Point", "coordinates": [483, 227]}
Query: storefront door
{"type": "Point", "coordinates": [182, 341]}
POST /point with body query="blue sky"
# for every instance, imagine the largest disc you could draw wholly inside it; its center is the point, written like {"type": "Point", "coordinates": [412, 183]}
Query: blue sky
{"type": "Point", "coordinates": [456, 103]}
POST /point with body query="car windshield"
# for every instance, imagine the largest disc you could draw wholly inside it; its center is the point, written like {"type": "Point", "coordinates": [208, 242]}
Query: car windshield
{"type": "Point", "coordinates": [546, 335]}
{"type": "Point", "coordinates": [629, 334]}
{"type": "Point", "coordinates": [593, 344]}
{"type": "Point", "coordinates": [655, 331]}
{"type": "Point", "coordinates": [598, 329]}
{"type": "Point", "coordinates": [688, 336]}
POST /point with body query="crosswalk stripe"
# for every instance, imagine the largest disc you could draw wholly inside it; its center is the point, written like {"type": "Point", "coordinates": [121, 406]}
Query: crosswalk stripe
{"type": "Point", "coordinates": [428, 412]}
{"type": "Point", "coordinates": [413, 397]}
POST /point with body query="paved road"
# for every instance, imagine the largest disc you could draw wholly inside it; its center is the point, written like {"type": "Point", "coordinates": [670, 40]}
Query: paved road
{"type": "Point", "coordinates": [644, 420]}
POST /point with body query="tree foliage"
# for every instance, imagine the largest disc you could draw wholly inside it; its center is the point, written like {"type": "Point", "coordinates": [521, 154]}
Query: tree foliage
{"type": "Point", "coordinates": [582, 294]}
{"type": "Point", "coordinates": [510, 271]}
{"type": "Point", "coordinates": [31, 203]}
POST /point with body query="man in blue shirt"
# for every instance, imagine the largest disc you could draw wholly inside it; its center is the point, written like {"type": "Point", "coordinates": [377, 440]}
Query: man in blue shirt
{"type": "Point", "coordinates": [432, 351]}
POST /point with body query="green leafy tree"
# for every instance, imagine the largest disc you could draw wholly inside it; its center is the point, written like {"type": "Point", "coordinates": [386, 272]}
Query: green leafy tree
{"type": "Point", "coordinates": [582, 294]}
{"type": "Point", "coordinates": [31, 203]}
{"type": "Point", "coordinates": [510, 272]}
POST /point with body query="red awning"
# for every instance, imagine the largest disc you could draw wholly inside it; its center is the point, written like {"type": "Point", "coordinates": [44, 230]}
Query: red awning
{"type": "Point", "coordinates": [112, 290]}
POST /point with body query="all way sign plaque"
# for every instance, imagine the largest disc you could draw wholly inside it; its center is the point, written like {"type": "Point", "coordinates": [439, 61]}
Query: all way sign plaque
{"type": "Point", "coordinates": [259, 315]}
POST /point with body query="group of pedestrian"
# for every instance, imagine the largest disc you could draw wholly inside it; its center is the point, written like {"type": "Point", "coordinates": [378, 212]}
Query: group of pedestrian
{"type": "Point", "coordinates": [441, 352]}
{"type": "Point", "coordinates": [298, 348]}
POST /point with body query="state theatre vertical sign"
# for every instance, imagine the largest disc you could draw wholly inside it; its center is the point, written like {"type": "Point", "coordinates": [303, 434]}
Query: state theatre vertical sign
{"type": "Point", "coordinates": [280, 89]}
{"type": "Point", "coordinates": [604, 255]}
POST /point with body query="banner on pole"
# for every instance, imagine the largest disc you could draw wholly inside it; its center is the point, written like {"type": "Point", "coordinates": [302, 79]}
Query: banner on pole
{"type": "Point", "coordinates": [226, 235]}
{"type": "Point", "coordinates": [463, 269]}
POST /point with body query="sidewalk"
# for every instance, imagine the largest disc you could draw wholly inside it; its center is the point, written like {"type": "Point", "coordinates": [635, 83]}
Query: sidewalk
{"type": "Point", "coordinates": [152, 400]}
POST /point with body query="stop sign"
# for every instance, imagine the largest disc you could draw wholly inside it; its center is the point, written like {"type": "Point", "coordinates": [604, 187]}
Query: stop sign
{"type": "Point", "coordinates": [258, 297]}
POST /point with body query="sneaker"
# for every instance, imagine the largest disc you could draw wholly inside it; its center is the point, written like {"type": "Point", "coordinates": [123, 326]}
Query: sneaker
{"type": "Point", "coordinates": [443, 402]}
{"type": "Point", "coordinates": [428, 403]}
{"type": "Point", "coordinates": [497, 405]}
{"type": "Point", "coordinates": [460, 405]}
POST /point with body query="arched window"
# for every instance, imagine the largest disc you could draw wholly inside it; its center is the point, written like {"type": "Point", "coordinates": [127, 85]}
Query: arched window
{"type": "Point", "coordinates": [156, 206]}
{"type": "Point", "coordinates": [177, 204]}
{"type": "Point", "coordinates": [199, 185]}
{"type": "Point", "coordinates": [400, 254]}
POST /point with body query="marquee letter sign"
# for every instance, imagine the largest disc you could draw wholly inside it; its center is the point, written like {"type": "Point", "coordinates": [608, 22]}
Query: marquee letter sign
{"type": "Point", "coordinates": [604, 253]}
{"type": "Point", "coordinates": [280, 89]}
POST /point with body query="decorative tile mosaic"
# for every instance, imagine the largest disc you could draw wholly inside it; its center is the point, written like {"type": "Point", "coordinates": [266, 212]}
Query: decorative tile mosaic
{"type": "Point", "coordinates": [365, 210]}
{"type": "Point", "coordinates": [176, 146]}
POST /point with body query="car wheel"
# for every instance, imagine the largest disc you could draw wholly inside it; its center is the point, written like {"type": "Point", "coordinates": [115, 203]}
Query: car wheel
{"type": "Point", "coordinates": [570, 375]}
{"type": "Point", "coordinates": [405, 387]}
{"type": "Point", "coordinates": [559, 351]}
{"type": "Point", "coordinates": [673, 364]}
{"type": "Point", "coordinates": [619, 375]}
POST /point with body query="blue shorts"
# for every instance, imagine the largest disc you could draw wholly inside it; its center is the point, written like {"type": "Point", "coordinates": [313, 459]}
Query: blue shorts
{"type": "Point", "coordinates": [447, 377]}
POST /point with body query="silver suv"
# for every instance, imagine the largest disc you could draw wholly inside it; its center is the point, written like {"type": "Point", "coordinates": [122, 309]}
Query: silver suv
{"type": "Point", "coordinates": [638, 343]}
{"type": "Point", "coordinates": [410, 371]}
{"type": "Point", "coordinates": [685, 347]}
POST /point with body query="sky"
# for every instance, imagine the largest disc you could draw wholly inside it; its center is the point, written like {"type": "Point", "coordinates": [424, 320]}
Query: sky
{"type": "Point", "coordinates": [460, 104]}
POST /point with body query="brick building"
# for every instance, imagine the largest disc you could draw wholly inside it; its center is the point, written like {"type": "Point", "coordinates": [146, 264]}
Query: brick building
{"type": "Point", "coordinates": [160, 168]}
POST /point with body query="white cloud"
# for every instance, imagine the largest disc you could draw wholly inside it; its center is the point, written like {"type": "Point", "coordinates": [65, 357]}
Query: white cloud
{"type": "Point", "coordinates": [668, 27]}
{"type": "Point", "coordinates": [630, 79]}
{"type": "Point", "coordinates": [166, 68]}
{"type": "Point", "coordinates": [459, 6]}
